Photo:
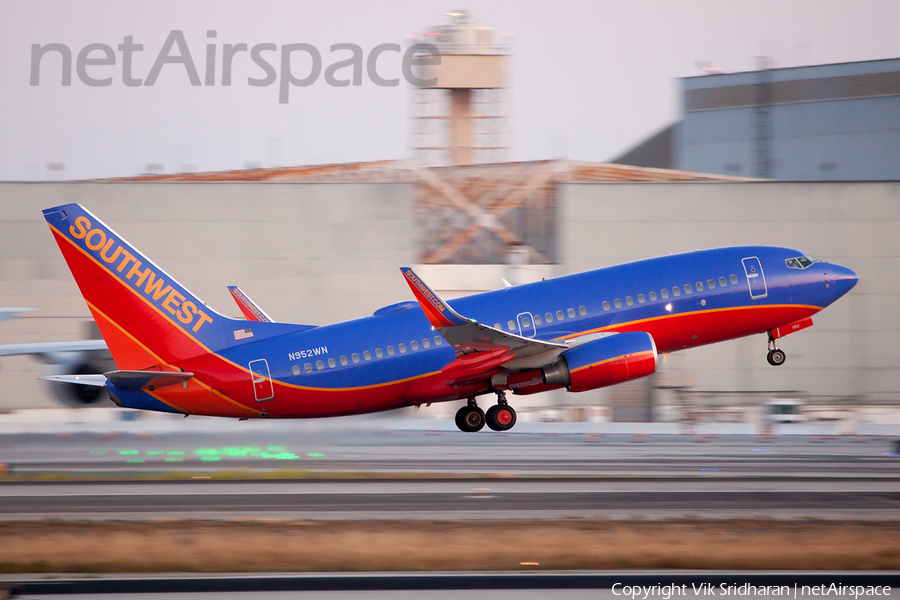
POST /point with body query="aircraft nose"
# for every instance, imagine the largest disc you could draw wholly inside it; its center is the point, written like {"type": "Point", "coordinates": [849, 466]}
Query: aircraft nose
{"type": "Point", "coordinates": [844, 279]}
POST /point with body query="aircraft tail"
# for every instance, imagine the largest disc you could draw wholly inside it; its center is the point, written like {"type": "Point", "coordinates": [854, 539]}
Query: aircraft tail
{"type": "Point", "coordinates": [148, 319]}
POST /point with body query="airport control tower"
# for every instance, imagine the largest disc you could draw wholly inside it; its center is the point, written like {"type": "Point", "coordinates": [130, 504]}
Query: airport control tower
{"type": "Point", "coordinates": [464, 118]}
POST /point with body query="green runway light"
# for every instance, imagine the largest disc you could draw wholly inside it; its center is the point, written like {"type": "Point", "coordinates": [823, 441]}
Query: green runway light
{"type": "Point", "coordinates": [315, 454]}
{"type": "Point", "coordinates": [206, 451]}
{"type": "Point", "coordinates": [154, 452]}
{"type": "Point", "coordinates": [128, 452]}
{"type": "Point", "coordinates": [210, 458]}
{"type": "Point", "coordinates": [134, 460]}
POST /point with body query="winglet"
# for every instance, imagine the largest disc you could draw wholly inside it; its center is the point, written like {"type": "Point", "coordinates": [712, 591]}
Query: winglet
{"type": "Point", "coordinates": [251, 311]}
{"type": "Point", "coordinates": [436, 310]}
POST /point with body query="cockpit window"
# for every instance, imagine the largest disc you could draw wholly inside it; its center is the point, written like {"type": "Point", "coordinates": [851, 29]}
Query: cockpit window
{"type": "Point", "coordinates": [801, 262]}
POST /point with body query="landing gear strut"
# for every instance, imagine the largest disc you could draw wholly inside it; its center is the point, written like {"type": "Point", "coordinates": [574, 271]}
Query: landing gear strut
{"type": "Point", "coordinates": [775, 357]}
{"type": "Point", "coordinates": [470, 418]}
{"type": "Point", "coordinates": [501, 416]}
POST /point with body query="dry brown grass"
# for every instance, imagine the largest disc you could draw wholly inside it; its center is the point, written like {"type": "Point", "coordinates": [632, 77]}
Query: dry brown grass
{"type": "Point", "coordinates": [192, 546]}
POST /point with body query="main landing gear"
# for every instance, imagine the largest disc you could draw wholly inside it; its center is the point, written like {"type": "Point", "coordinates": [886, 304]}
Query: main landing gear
{"type": "Point", "coordinates": [775, 356]}
{"type": "Point", "coordinates": [500, 417]}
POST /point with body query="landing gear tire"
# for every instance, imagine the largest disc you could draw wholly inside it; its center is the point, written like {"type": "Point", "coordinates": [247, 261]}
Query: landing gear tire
{"type": "Point", "coordinates": [776, 357]}
{"type": "Point", "coordinates": [470, 419]}
{"type": "Point", "coordinates": [501, 417]}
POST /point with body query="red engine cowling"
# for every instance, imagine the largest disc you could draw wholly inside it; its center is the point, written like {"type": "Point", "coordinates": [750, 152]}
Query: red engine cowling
{"type": "Point", "coordinates": [607, 361]}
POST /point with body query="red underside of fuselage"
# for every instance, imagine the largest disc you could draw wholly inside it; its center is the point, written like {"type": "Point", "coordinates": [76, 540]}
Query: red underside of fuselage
{"type": "Point", "coordinates": [141, 337]}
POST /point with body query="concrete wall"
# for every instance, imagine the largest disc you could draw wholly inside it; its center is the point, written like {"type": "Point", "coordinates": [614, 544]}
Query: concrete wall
{"type": "Point", "coordinates": [854, 347]}
{"type": "Point", "coordinates": [306, 253]}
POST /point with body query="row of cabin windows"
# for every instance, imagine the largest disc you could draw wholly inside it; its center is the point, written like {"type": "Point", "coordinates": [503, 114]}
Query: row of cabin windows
{"type": "Point", "coordinates": [676, 291]}
{"type": "Point", "coordinates": [366, 355]}
{"type": "Point", "coordinates": [548, 317]}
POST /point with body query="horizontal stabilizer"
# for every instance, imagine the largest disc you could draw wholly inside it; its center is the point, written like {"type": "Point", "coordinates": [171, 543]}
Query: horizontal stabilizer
{"type": "Point", "coordinates": [135, 380]}
{"type": "Point", "coordinates": [251, 311]}
{"type": "Point", "coordinates": [92, 380]}
{"type": "Point", "coordinates": [126, 380]}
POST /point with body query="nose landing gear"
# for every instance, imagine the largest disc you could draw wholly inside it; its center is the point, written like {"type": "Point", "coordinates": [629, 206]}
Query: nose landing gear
{"type": "Point", "coordinates": [500, 417]}
{"type": "Point", "coordinates": [775, 357]}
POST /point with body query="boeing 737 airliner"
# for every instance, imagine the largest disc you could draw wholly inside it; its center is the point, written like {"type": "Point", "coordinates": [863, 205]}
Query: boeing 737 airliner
{"type": "Point", "coordinates": [578, 332]}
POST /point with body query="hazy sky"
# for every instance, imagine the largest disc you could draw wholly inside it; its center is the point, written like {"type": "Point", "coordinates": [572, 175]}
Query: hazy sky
{"type": "Point", "coordinates": [590, 78]}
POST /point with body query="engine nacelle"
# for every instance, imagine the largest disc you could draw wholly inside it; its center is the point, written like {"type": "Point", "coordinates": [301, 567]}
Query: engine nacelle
{"type": "Point", "coordinates": [79, 396]}
{"type": "Point", "coordinates": [607, 361]}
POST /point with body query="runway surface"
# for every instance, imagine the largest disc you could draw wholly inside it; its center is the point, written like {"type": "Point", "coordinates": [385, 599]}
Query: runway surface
{"type": "Point", "coordinates": [460, 499]}
{"type": "Point", "coordinates": [486, 475]}
{"type": "Point", "coordinates": [333, 450]}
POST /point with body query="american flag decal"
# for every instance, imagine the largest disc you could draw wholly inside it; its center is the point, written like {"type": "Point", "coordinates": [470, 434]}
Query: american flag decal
{"type": "Point", "coordinates": [243, 334]}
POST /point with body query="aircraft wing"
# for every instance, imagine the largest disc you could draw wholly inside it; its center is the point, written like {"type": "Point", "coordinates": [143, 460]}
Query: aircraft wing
{"type": "Point", "coordinates": [10, 313]}
{"type": "Point", "coordinates": [469, 336]}
{"type": "Point", "coordinates": [47, 348]}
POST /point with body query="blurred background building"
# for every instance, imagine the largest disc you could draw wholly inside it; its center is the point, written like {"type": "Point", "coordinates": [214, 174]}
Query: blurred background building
{"type": "Point", "coordinates": [837, 122]}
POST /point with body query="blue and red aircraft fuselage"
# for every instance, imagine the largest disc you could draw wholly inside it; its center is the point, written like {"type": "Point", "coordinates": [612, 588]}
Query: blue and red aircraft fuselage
{"type": "Point", "coordinates": [578, 331]}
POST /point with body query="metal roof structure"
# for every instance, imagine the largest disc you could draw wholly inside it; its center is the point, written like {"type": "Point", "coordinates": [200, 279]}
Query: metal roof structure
{"type": "Point", "coordinates": [472, 214]}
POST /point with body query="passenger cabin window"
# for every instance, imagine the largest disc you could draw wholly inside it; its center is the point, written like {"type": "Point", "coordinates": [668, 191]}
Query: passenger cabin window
{"type": "Point", "coordinates": [526, 322]}
{"type": "Point", "coordinates": [582, 310]}
{"type": "Point", "coordinates": [640, 298]}
{"type": "Point", "coordinates": [378, 353]}
{"type": "Point", "coordinates": [498, 326]}
{"type": "Point", "coordinates": [548, 317]}
{"type": "Point", "coordinates": [426, 343]}
{"type": "Point", "coordinates": [320, 365]}
{"type": "Point", "coordinates": [722, 282]}
{"type": "Point", "coordinates": [629, 300]}
{"type": "Point", "coordinates": [414, 345]}
{"type": "Point", "coordinates": [438, 340]}
{"type": "Point", "coordinates": [344, 360]}
{"type": "Point", "coordinates": [617, 303]}
{"type": "Point", "coordinates": [733, 279]}
{"type": "Point", "coordinates": [367, 355]}
{"type": "Point", "coordinates": [688, 289]}
{"type": "Point", "coordinates": [606, 305]}
{"type": "Point", "coordinates": [354, 357]}
{"type": "Point", "coordinates": [664, 293]}
{"type": "Point", "coordinates": [332, 363]}
{"type": "Point", "coordinates": [511, 324]}
{"type": "Point", "coordinates": [390, 350]}
{"type": "Point", "coordinates": [295, 369]}
{"type": "Point", "coordinates": [402, 348]}
{"type": "Point", "coordinates": [307, 367]}
{"type": "Point", "coordinates": [676, 291]}
{"type": "Point", "coordinates": [571, 313]}
{"type": "Point", "coordinates": [652, 296]}
{"type": "Point", "coordinates": [537, 319]}
{"type": "Point", "coordinates": [711, 284]}
{"type": "Point", "coordinates": [699, 286]}
{"type": "Point", "coordinates": [559, 315]}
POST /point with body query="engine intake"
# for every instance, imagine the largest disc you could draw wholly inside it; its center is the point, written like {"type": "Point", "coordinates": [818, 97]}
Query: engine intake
{"type": "Point", "coordinates": [604, 362]}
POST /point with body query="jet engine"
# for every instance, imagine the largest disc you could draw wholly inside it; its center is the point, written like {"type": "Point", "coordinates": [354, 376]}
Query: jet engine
{"type": "Point", "coordinates": [603, 362]}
